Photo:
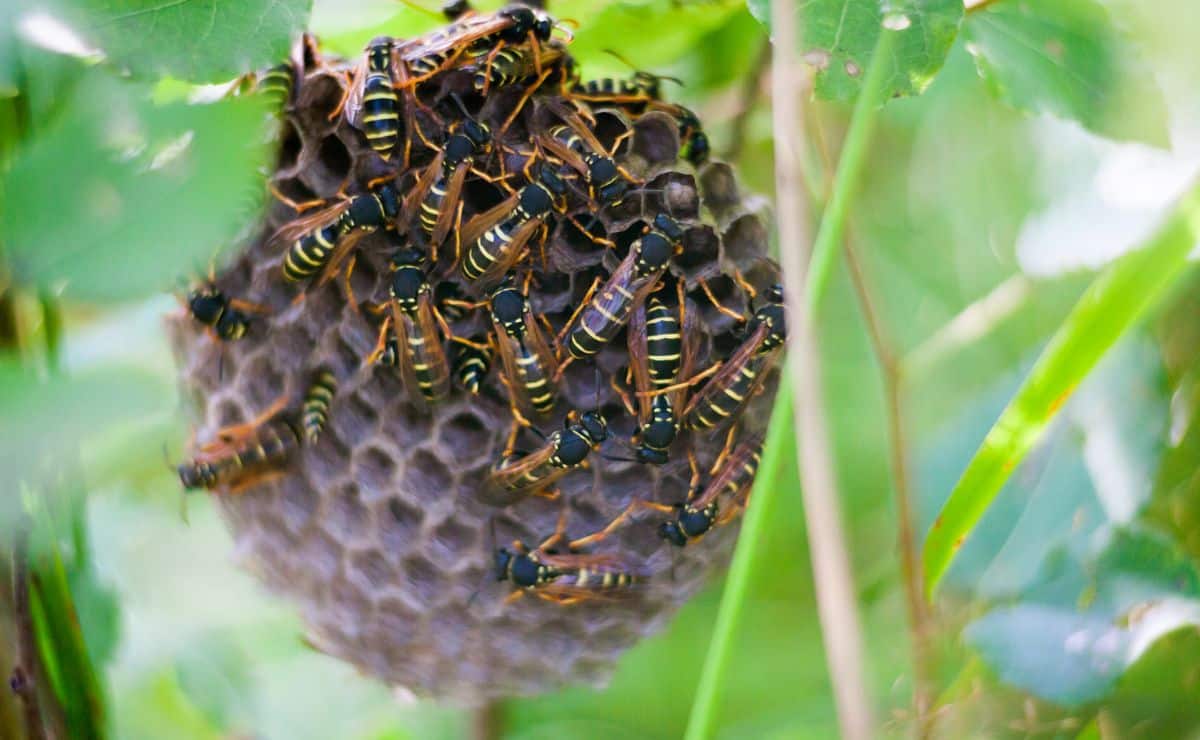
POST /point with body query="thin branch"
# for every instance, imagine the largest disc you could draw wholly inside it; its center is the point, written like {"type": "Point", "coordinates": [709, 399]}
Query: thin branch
{"type": "Point", "coordinates": [747, 96]}
{"type": "Point", "coordinates": [836, 598]}
{"type": "Point", "coordinates": [487, 721]}
{"type": "Point", "coordinates": [25, 674]}
{"type": "Point", "coordinates": [919, 622]}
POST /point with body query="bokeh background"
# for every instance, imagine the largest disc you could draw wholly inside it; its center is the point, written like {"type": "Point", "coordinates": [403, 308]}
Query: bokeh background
{"type": "Point", "coordinates": [1054, 138]}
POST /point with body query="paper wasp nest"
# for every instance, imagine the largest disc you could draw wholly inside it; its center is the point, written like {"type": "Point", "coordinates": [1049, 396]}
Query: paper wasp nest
{"type": "Point", "coordinates": [376, 531]}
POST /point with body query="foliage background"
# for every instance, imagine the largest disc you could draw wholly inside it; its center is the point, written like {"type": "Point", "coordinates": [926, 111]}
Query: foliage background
{"type": "Point", "coordinates": [1053, 139]}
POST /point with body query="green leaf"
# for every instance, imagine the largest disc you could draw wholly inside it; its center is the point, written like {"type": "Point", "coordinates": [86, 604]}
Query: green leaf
{"type": "Point", "coordinates": [195, 40]}
{"type": "Point", "coordinates": [1139, 589]}
{"type": "Point", "coordinates": [44, 422]}
{"type": "Point", "coordinates": [838, 37]}
{"type": "Point", "coordinates": [1110, 305]}
{"type": "Point", "coordinates": [163, 188]}
{"type": "Point", "coordinates": [1066, 58]}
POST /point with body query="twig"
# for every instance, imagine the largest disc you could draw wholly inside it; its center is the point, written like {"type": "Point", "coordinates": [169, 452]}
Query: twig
{"type": "Point", "coordinates": [25, 675]}
{"type": "Point", "coordinates": [836, 599]}
{"type": "Point", "coordinates": [919, 624]}
{"type": "Point", "coordinates": [487, 721]}
{"type": "Point", "coordinates": [747, 96]}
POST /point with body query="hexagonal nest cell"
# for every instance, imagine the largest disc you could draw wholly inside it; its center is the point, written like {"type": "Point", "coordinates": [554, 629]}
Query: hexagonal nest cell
{"type": "Point", "coordinates": [377, 530]}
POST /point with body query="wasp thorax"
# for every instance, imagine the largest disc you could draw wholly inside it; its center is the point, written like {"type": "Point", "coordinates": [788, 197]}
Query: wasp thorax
{"type": "Point", "coordinates": [475, 341]}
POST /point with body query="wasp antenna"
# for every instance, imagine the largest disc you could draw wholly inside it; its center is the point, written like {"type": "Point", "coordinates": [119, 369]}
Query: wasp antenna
{"type": "Point", "coordinates": [622, 59]}
{"type": "Point", "coordinates": [458, 101]}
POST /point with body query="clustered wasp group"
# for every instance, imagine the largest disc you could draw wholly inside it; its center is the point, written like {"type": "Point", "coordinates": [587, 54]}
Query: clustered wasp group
{"type": "Point", "coordinates": [450, 260]}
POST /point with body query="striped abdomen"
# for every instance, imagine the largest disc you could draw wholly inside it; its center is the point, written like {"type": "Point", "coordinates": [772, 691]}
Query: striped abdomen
{"type": "Point", "coordinates": [428, 362]}
{"type": "Point", "coordinates": [601, 320]}
{"type": "Point", "coordinates": [717, 403]}
{"type": "Point", "coordinates": [664, 344]}
{"type": "Point", "coordinates": [276, 84]}
{"type": "Point", "coordinates": [310, 252]}
{"type": "Point", "coordinates": [471, 366]}
{"type": "Point", "coordinates": [270, 446]}
{"type": "Point", "coordinates": [380, 118]}
{"type": "Point", "coordinates": [431, 206]}
{"type": "Point", "coordinates": [535, 378]}
{"type": "Point", "coordinates": [507, 66]}
{"type": "Point", "coordinates": [598, 580]}
{"type": "Point", "coordinates": [488, 249]}
{"type": "Point", "coordinates": [314, 413]}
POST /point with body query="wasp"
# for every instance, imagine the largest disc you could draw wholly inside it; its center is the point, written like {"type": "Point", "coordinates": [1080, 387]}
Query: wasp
{"type": "Point", "coordinates": [227, 318]}
{"type": "Point", "coordinates": [314, 410]}
{"type": "Point", "coordinates": [732, 475]}
{"type": "Point", "coordinates": [529, 364]}
{"type": "Point", "coordinates": [319, 240]}
{"type": "Point", "coordinates": [243, 450]}
{"type": "Point", "coordinates": [640, 87]}
{"type": "Point", "coordinates": [276, 84]}
{"type": "Point", "coordinates": [576, 145]}
{"type": "Point", "coordinates": [511, 65]}
{"type": "Point", "coordinates": [419, 354]}
{"type": "Point", "coordinates": [693, 142]}
{"type": "Point", "coordinates": [736, 381]}
{"type": "Point", "coordinates": [373, 105]}
{"type": "Point", "coordinates": [498, 236]}
{"type": "Point", "coordinates": [475, 35]}
{"type": "Point", "coordinates": [563, 578]}
{"type": "Point", "coordinates": [470, 364]}
{"type": "Point", "coordinates": [660, 352]}
{"type": "Point", "coordinates": [606, 310]}
{"type": "Point", "coordinates": [518, 475]}
{"type": "Point", "coordinates": [437, 191]}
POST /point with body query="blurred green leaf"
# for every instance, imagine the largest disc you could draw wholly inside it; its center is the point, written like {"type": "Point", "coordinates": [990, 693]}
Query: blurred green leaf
{"type": "Point", "coordinates": [1066, 58]}
{"type": "Point", "coordinates": [838, 37]}
{"type": "Point", "coordinates": [43, 422]}
{"type": "Point", "coordinates": [1094, 468]}
{"type": "Point", "coordinates": [196, 40]}
{"type": "Point", "coordinates": [1112, 303]}
{"type": "Point", "coordinates": [163, 188]}
{"type": "Point", "coordinates": [1070, 645]}
{"type": "Point", "coordinates": [213, 673]}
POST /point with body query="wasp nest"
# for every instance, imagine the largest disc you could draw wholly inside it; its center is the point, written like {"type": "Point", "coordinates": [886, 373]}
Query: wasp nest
{"type": "Point", "coordinates": [379, 527]}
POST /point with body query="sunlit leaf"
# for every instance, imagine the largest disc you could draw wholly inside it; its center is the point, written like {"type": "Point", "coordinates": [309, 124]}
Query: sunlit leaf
{"type": "Point", "coordinates": [1070, 645]}
{"type": "Point", "coordinates": [1067, 58]}
{"type": "Point", "coordinates": [162, 189]}
{"type": "Point", "coordinates": [838, 37]}
{"type": "Point", "coordinates": [196, 40]}
{"type": "Point", "coordinates": [1112, 303]}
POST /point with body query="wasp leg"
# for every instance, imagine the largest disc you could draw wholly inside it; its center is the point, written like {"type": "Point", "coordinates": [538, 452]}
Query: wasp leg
{"type": "Point", "coordinates": [380, 344]}
{"type": "Point", "coordinates": [634, 507]}
{"type": "Point", "coordinates": [234, 432]}
{"type": "Point", "coordinates": [718, 305]}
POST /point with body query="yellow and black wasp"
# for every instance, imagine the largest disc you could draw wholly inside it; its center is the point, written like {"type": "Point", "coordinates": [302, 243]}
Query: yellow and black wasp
{"type": "Point", "coordinates": [244, 451]}
{"type": "Point", "coordinates": [512, 64]}
{"type": "Point", "coordinates": [527, 360]}
{"type": "Point", "coordinates": [372, 104]}
{"type": "Point", "coordinates": [725, 394]}
{"type": "Point", "coordinates": [320, 240]}
{"type": "Point", "coordinates": [604, 311]}
{"type": "Point", "coordinates": [627, 92]}
{"type": "Point", "coordinates": [497, 237]}
{"type": "Point", "coordinates": [314, 410]}
{"type": "Point", "coordinates": [731, 477]}
{"type": "Point", "coordinates": [437, 193]}
{"type": "Point", "coordinates": [518, 475]}
{"type": "Point", "coordinates": [419, 352]}
{"type": "Point", "coordinates": [660, 353]}
{"type": "Point", "coordinates": [562, 578]}
{"type": "Point", "coordinates": [227, 318]}
{"type": "Point", "coordinates": [472, 37]}
{"type": "Point", "coordinates": [576, 145]}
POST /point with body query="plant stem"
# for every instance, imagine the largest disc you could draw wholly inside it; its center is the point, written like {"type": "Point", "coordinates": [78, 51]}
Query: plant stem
{"type": "Point", "coordinates": [974, 6]}
{"type": "Point", "coordinates": [919, 623]}
{"type": "Point", "coordinates": [25, 677]}
{"type": "Point", "coordinates": [854, 151]}
{"type": "Point", "coordinates": [835, 593]}
{"type": "Point", "coordinates": [487, 721]}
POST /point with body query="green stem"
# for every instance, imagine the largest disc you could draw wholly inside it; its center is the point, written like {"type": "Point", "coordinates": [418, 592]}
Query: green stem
{"type": "Point", "coordinates": [737, 585]}
{"type": "Point", "coordinates": [701, 723]}
{"type": "Point", "coordinates": [850, 164]}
